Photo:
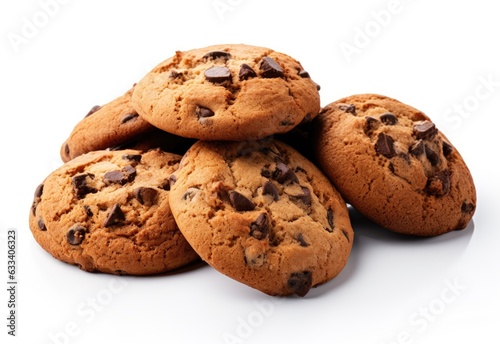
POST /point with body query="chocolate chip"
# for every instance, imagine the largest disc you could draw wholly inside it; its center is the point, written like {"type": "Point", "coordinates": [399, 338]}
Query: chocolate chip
{"type": "Point", "coordinates": [385, 146]}
{"type": "Point", "coordinates": [174, 75]}
{"type": "Point", "coordinates": [371, 124]}
{"type": "Point", "coordinates": [76, 235]}
{"type": "Point", "coordinates": [66, 149]}
{"type": "Point", "coordinates": [447, 149]}
{"type": "Point", "coordinates": [39, 190]}
{"type": "Point", "coordinates": [203, 112]}
{"type": "Point", "coordinates": [260, 228]}
{"type": "Point", "coordinates": [300, 282]}
{"type": "Point", "coordinates": [432, 156]}
{"type": "Point", "coordinates": [283, 174]}
{"type": "Point", "coordinates": [115, 216]}
{"type": "Point", "coordinates": [92, 110]}
{"type": "Point", "coordinates": [270, 68]}
{"type": "Point", "coordinates": [264, 172]}
{"type": "Point", "coordinates": [88, 211]}
{"type": "Point", "coordinates": [246, 72]}
{"type": "Point", "coordinates": [329, 218]}
{"type": "Point", "coordinates": [467, 208]}
{"type": "Point", "coordinates": [190, 193]}
{"type": "Point", "coordinates": [80, 185]}
{"type": "Point", "coordinates": [418, 148]}
{"type": "Point", "coordinates": [270, 189]}
{"type": "Point", "coordinates": [240, 202]}
{"type": "Point", "coordinates": [36, 198]}
{"type": "Point", "coordinates": [389, 119]}
{"type": "Point", "coordinates": [129, 117]}
{"type": "Point", "coordinates": [132, 157]}
{"type": "Point", "coordinates": [146, 196]}
{"type": "Point", "coordinates": [439, 184]}
{"type": "Point", "coordinates": [425, 130]}
{"type": "Point", "coordinates": [301, 240]}
{"type": "Point", "coordinates": [305, 197]}
{"type": "Point", "coordinates": [41, 224]}
{"type": "Point", "coordinates": [349, 108]}
{"type": "Point", "coordinates": [217, 54]}
{"type": "Point", "coordinates": [218, 74]}
{"type": "Point", "coordinates": [120, 177]}
{"type": "Point", "coordinates": [304, 74]}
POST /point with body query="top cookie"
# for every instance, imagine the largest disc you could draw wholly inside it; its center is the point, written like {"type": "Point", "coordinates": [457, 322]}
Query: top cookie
{"type": "Point", "coordinates": [262, 214]}
{"type": "Point", "coordinates": [227, 92]}
{"type": "Point", "coordinates": [391, 163]}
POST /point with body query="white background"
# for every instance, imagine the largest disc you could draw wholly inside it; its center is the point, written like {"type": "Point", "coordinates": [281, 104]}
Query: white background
{"type": "Point", "coordinates": [59, 60]}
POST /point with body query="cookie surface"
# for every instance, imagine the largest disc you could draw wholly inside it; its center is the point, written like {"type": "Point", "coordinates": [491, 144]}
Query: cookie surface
{"type": "Point", "coordinates": [260, 213]}
{"type": "Point", "coordinates": [109, 211]}
{"type": "Point", "coordinates": [227, 92]}
{"type": "Point", "coordinates": [110, 125]}
{"type": "Point", "coordinates": [392, 164]}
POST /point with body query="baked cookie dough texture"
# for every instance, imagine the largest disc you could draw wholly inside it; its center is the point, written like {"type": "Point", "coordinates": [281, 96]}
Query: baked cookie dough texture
{"type": "Point", "coordinates": [224, 154]}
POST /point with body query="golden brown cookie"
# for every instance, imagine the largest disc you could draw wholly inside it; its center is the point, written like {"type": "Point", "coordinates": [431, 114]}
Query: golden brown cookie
{"type": "Point", "coordinates": [227, 92]}
{"type": "Point", "coordinates": [392, 164]}
{"type": "Point", "coordinates": [109, 211]}
{"type": "Point", "coordinates": [260, 213]}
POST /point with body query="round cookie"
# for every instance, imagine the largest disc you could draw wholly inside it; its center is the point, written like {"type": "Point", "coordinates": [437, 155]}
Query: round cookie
{"type": "Point", "coordinates": [392, 164]}
{"type": "Point", "coordinates": [109, 211]}
{"type": "Point", "coordinates": [115, 124]}
{"type": "Point", "coordinates": [227, 92]}
{"type": "Point", "coordinates": [260, 213]}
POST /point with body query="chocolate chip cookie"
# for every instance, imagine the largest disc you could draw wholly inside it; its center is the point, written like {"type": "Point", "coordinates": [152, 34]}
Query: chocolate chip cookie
{"type": "Point", "coordinates": [116, 125]}
{"type": "Point", "coordinates": [109, 211]}
{"type": "Point", "coordinates": [391, 163]}
{"type": "Point", "coordinates": [227, 92]}
{"type": "Point", "coordinates": [260, 213]}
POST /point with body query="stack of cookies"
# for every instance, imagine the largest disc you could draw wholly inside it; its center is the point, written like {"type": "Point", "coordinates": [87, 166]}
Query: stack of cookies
{"type": "Point", "coordinates": [224, 154]}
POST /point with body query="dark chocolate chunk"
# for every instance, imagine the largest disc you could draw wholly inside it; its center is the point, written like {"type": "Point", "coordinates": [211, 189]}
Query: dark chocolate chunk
{"type": "Point", "coordinates": [425, 130]}
{"type": "Point", "coordinates": [329, 217]}
{"type": "Point", "coordinates": [203, 112]}
{"type": "Point", "coordinates": [300, 283]}
{"type": "Point", "coordinates": [39, 190]}
{"type": "Point", "coordinates": [304, 74]}
{"type": "Point", "coordinates": [302, 241]}
{"type": "Point", "coordinates": [371, 123]}
{"type": "Point", "coordinates": [260, 228]}
{"type": "Point", "coordinates": [218, 74]}
{"type": "Point", "coordinates": [146, 196]}
{"type": "Point", "coordinates": [120, 177]}
{"type": "Point", "coordinates": [270, 189]}
{"type": "Point", "coordinates": [80, 185]}
{"type": "Point", "coordinates": [132, 157]}
{"type": "Point", "coordinates": [264, 172]}
{"type": "Point", "coordinates": [467, 208]}
{"type": "Point", "coordinates": [305, 197]}
{"type": "Point", "coordinates": [432, 156]}
{"type": "Point", "coordinates": [349, 108]}
{"type": "Point", "coordinates": [389, 119]}
{"type": "Point", "coordinates": [174, 74]}
{"type": "Point", "coordinates": [190, 193]}
{"type": "Point", "coordinates": [439, 184]}
{"type": "Point", "coordinates": [447, 149]}
{"type": "Point", "coordinates": [217, 54]}
{"type": "Point", "coordinates": [283, 174]}
{"type": "Point", "coordinates": [246, 72]}
{"type": "Point", "coordinates": [115, 216]}
{"type": "Point", "coordinates": [41, 224]}
{"type": "Point", "coordinates": [240, 202]}
{"type": "Point", "coordinates": [66, 149]}
{"type": "Point", "coordinates": [385, 146]}
{"type": "Point", "coordinates": [88, 211]}
{"type": "Point", "coordinates": [76, 235]}
{"type": "Point", "coordinates": [270, 68]}
{"type": "Point", "coordinates": [418, 148]}
{"type": "Point", "coordinates": [92, 110]}
{"type": "Point", "coordinates": [129, 117]}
